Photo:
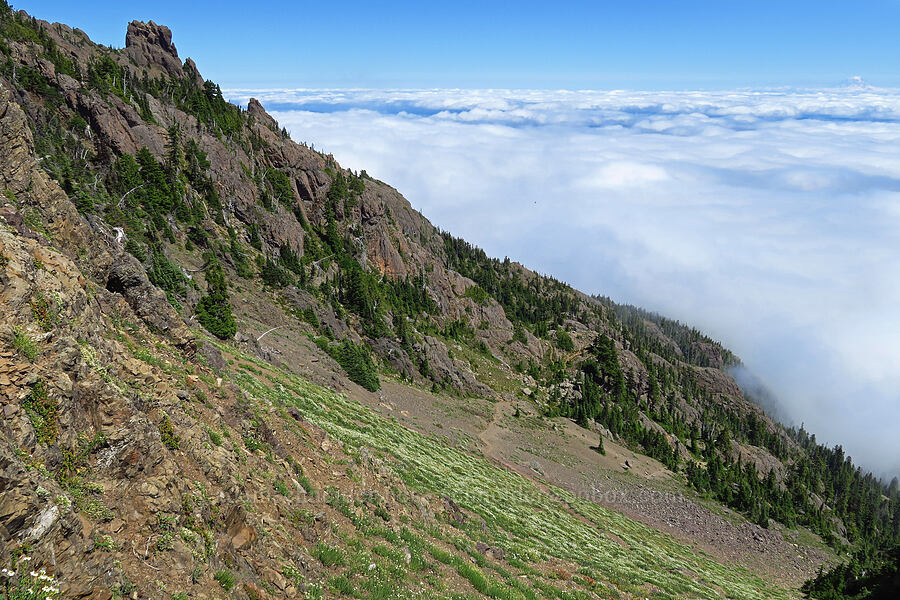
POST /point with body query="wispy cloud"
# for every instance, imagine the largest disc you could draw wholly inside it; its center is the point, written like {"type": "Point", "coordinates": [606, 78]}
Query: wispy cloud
{"type": "Point", "coordinates": [769, 218]}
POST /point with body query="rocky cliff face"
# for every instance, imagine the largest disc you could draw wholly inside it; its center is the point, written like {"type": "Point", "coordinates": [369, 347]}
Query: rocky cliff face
{"type": "Point", "coordinates": [32, 192]}
{"type": "Point", "coordinates": [386, 230]}
{"type": "Point", "coordinates": [150, 47]}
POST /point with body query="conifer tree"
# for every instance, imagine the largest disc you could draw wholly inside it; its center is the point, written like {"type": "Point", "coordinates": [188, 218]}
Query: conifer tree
{"type": "Point", "coordinates": [214, 309]}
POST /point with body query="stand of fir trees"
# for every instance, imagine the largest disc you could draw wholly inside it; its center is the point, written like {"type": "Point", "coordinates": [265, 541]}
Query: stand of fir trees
{"type": "Point", "coordinates": [870, 574]}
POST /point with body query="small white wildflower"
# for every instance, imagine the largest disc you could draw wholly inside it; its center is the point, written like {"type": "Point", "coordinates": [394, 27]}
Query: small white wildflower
{"type": "Point", "coordinates": [25, 558]}
{"type": "Point", "coordinates": [35, 574]}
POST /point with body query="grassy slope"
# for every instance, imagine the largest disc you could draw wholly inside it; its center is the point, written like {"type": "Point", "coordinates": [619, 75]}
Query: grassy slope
{"type": "Point", "coordinates": [535, 525]}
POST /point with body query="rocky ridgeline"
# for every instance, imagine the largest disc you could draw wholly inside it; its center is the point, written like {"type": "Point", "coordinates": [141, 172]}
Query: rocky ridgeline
{"type": "Point", "coordinates": [103, 450]}
{"type": "Point", "coordinates": [395, 239]}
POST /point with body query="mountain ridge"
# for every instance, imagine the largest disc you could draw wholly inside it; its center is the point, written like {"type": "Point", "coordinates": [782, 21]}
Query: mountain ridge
{"type": "Point", "coordinates": [166, 189]}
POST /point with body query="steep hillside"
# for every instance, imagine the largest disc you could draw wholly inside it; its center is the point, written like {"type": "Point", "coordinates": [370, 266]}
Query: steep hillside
{"type": "Point", "coordinates": [231, 368]}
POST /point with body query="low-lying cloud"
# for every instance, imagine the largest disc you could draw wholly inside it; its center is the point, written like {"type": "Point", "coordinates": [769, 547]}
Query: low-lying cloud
{"type": "Point", "coordinates": [768, 218]}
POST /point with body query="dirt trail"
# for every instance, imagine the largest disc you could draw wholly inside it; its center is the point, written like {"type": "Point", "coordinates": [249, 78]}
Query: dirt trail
{"type": "Point", "coordinates": [490, 436]}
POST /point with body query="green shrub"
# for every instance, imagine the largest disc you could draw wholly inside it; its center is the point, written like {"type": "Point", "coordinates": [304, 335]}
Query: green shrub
{"type": "Point", "coordinates": [45, 313]}
{"type": "Point", "coordinates": [358, 364]}
{"type": "Point", "coordinates": [105, 543]}
{"type": "Point", "coordinates": [42, 411]}
{"type": "Point", "coordinates": [255, 240]}
{"type": "Point", "coordinates": [135, 249]}
{"type": "Point", "coordinates": [24, 344]}
{"type": "Point", "coordinates": [198, 236]}
{"type": "Point", "coordinates": [215, 437]}
{"type": "Point", "coordinates": [519, 334]}
{"type": "Point", "coordinates": [307, 485]}
{"type": "Point", "coordinates": [165, 542]}
{"type": "Point", "coordinates": [337, 501]}
{"type": "Point", "coordinates": [253, 443]}
{"type": "Point", "coordinates": [166, 523]}
{"type": "Point", "coordinates": [309, 315]}
{"type": "Point", "coordinates": [564, 340]}
{"type": "Point", "coordinates": [239, 257]}
{"type": "Point", "coordinates": [341, 585]}
{"type": "Point", "coordinates": [477, 294]}
{"type": "Point", "coordinates": [214, 309]}
{"type": "Point", "coordinates": [167, 434]}
{"type": "Point", "coordinates": [166, 275]}
{"type": "Point", "coordinates": [474, 575]}
{"type": "Point", "coordinates": [281, 185]}
{"type": "Point", "coordinates": [281, 487]}
{"type": "Point", "coordinates": [441, 555]}
{"type": "Point", "coordinates": [225, 578]}
{"type": "Point", "coordinates": [272, 274]}
{"type": "Point", "coordinates": [329, 555]}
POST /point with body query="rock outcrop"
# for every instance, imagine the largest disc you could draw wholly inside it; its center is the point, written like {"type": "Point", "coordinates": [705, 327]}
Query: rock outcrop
{"type": "Point", "coordinates": [150, 46]}
{"type": "Point", "coordinates": [103, 257]}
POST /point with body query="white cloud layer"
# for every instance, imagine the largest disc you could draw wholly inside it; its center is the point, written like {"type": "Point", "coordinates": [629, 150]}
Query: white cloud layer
{"type": "Point", "coordinates": [768, 218]}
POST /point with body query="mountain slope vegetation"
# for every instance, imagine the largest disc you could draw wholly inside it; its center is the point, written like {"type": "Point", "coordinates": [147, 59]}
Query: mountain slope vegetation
{"type": "Point", "coordinates": [232, 368]}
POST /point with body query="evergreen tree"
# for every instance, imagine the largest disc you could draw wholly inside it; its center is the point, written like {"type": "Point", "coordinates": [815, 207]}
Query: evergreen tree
{"type": "Point", "coordinates": [214, 309]}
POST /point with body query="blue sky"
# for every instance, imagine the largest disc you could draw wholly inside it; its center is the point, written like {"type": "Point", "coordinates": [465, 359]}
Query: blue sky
{"type": "Point", "coordinates": [525, 44]}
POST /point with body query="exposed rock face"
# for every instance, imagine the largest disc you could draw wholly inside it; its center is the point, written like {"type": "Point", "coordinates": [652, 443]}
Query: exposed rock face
{"type": "Point", "coordinates": [118, 124]}
{"type": "Point", "coordinates": [448, 371]}
{"type": "Point", "coordinates": [256, 109]}
{"type": "Point", "coordinates": [108, 497]}
{"type": "Point", "coordinates": [150, 46]}
{"type": "Point", "coordinates": [397, 357]}
{"type": "Point", "coordinates": [190, 68]}
{"type": "Point", "coordinates": [105, 260]}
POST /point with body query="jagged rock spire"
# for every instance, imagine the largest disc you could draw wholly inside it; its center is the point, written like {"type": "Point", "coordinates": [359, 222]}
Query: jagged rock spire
{"type": "Point", "coordinates": [150, 46]}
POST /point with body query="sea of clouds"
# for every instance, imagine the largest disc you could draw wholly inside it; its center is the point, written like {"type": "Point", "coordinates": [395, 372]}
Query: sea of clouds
{"type": "Point", "coordinates": [768, 218]}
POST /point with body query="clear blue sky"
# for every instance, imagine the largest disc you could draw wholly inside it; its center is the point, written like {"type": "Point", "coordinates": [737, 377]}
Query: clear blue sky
{"type": "Point", "coordinates": [525, 44]}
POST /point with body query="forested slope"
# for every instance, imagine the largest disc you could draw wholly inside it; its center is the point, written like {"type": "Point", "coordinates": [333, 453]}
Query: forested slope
{"type": "Point", "coordinates": [148, 219]}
